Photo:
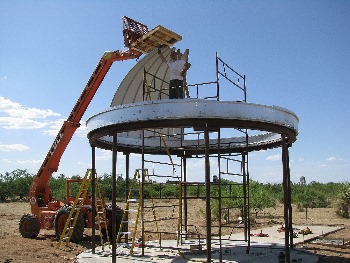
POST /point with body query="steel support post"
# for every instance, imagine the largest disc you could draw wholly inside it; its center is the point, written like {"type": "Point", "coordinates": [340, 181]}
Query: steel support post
{"type": "Point", "coordinates": [185, 195]}
{"type": "Point", "coordinates": [220, 194]}
{"type": "Point", "coordinates": [286, 192]}
{"type": "Point", "coordinates": [207, 187]}
{"type": "Point", "coordinates": [127, 185]}
{"type": "Point", "coordinates": [247, 210]}
{"type": "Point", "coordinates": [142, 195]}
{"type": "Point", "coordinates": [245, 196]}
{"type": "Point", "coordinates": [291, 243]}
{"type": "Point", "coordinates": [93, 197]}
{"type": "Point", "coordinates": [217, 77]}
{"type": "Point", "coordinates": [114, 201]}
{"type": "Point", "coordinates": [245, 201]}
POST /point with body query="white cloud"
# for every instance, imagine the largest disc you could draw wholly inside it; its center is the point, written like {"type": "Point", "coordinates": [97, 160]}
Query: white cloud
{"type": "Point", "coordinates": [29, 162]}
{"type": "Point", "coordinates": [30, 113]}
{"type": "Point", "coordinates": [55, 126]}
{"type": "Point", "coordinates": [276, 157]}
{"type": "Point", "coordinates": [15, 116]}
{"type": "Point", "coordinates": [20, 123]}
{"type": "Point", "coordinates": [14, 109]}
{"type": "Point", "coordinates": [331, 159]}
{"type": "Point", "coordinates": [82, 130]}
{"type": "Point", "coordinates": [13, 147]}
{"type": "Point", "coordinates": [84, 164]}
{"type": "Point", "coordinates": [301, 159]}
{"type": "Point", "coordinates": [4, 77]}
{"type": "Point", "coordinates": [194, 163]}
{"type": "Point", "coordinates": [105, 155]}
{"type": "Point", "coordinates": [25, 162]}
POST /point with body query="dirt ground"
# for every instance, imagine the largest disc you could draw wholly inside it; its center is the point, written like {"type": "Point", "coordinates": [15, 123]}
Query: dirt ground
{"type": "Point", "coordinates": [14, 248]}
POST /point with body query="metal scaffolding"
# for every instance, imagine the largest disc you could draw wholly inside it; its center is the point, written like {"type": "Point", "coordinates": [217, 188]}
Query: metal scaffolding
{"type": "Point", "coordinates": [201, 128]}
{"type": "Point", "coordinates": [228, 175]}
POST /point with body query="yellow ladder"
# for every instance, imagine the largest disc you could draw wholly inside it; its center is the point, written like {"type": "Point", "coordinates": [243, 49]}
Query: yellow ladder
{"type": "Point", "coordinates": [75, 210]}
{"type": "Point", "coordinates": [135, 188]}
{"type": "Point", "coordinates": [101, 214]}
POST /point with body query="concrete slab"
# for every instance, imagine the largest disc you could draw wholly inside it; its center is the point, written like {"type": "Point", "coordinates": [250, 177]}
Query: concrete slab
{"type": "Point", "coordinates": [231, 254]}
{"type": "Point", "coordinates": [278, 237]}
{"type": "Point", "coordinates": [263, 249]}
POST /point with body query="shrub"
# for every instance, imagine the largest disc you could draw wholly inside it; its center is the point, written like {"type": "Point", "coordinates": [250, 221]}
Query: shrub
{"type": "Point", "coordinates": [344, 200]}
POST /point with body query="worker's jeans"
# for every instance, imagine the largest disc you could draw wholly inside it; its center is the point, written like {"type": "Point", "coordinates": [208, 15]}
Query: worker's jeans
{"type": "Point", "coordinates": [176, 89]}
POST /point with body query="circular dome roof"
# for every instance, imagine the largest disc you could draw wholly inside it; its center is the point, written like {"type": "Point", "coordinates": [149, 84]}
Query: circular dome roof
{"type": "Point", "coordinates": [130, 89]}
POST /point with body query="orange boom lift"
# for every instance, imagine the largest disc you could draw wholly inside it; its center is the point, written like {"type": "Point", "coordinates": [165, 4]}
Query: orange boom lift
{"type": "Point", "coordinates": [44, 207]}
{"type": "Point", "coordinates": [46, 211]}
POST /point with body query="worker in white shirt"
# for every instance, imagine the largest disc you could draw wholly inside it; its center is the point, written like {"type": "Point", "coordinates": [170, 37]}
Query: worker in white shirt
{"type": "Point", "coordinates": [178, 69]}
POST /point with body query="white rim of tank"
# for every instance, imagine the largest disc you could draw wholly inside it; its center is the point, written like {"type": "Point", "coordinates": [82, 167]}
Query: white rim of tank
{"type": "Point", "coordinates": [272, 121]}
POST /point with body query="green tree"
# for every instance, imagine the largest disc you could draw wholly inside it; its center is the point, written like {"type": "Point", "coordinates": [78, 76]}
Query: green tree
{"type": "Point", "coordinates": [311, 195]}
{"type": "Point", "coordinates": [196, 190]}
{"type": "Point", "coordinates": [15, 184]}
{"type": "Point", "coordinates": [106, 185]}
{"type": "Point", "coordinates": [170, 191]}
{"type": "Point", "coordinates": [5, 187]}
{"type": "Point", "coordinates": [58, 186]}
{"type": "Point", "coordinates": [344, 200]}
{"type": "Point", "coordinates": [22, 181]}
{"type": "Point", "coordinates": [261, 197]}
{"type": "Point", "coordinates": [105, 182]}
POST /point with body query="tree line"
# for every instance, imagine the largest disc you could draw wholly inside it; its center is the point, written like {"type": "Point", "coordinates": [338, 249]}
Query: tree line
{"type": "Point", "coordinates": [15, 185]}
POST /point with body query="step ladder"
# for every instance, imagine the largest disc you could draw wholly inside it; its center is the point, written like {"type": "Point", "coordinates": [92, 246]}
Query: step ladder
{"type": "Point", "coordinates": [134, 197]}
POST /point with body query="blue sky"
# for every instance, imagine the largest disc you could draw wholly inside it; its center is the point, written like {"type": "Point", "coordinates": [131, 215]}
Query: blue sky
{"type": "Point", "coordinates": [295, 54]}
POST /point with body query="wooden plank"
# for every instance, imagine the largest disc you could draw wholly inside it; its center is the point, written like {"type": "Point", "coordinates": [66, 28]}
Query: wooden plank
{"type": "Point", "coordinates": [158, 39]}
{"type": "Point", "coordinates": [159, 36]}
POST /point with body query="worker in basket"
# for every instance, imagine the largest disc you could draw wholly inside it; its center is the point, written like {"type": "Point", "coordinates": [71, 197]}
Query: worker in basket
{"type": "Point", "coordinates": [178, 69]}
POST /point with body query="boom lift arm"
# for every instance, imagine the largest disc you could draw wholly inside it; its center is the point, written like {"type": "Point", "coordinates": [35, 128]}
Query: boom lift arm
{"type": "Point", "coordinates": [44, 207]}
{"type": "Point", "coordinates": [40, 193]}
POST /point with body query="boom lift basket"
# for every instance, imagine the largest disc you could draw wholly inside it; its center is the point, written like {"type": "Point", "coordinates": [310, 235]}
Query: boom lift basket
{"type": "Point", "coordinates": [137, 36]}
